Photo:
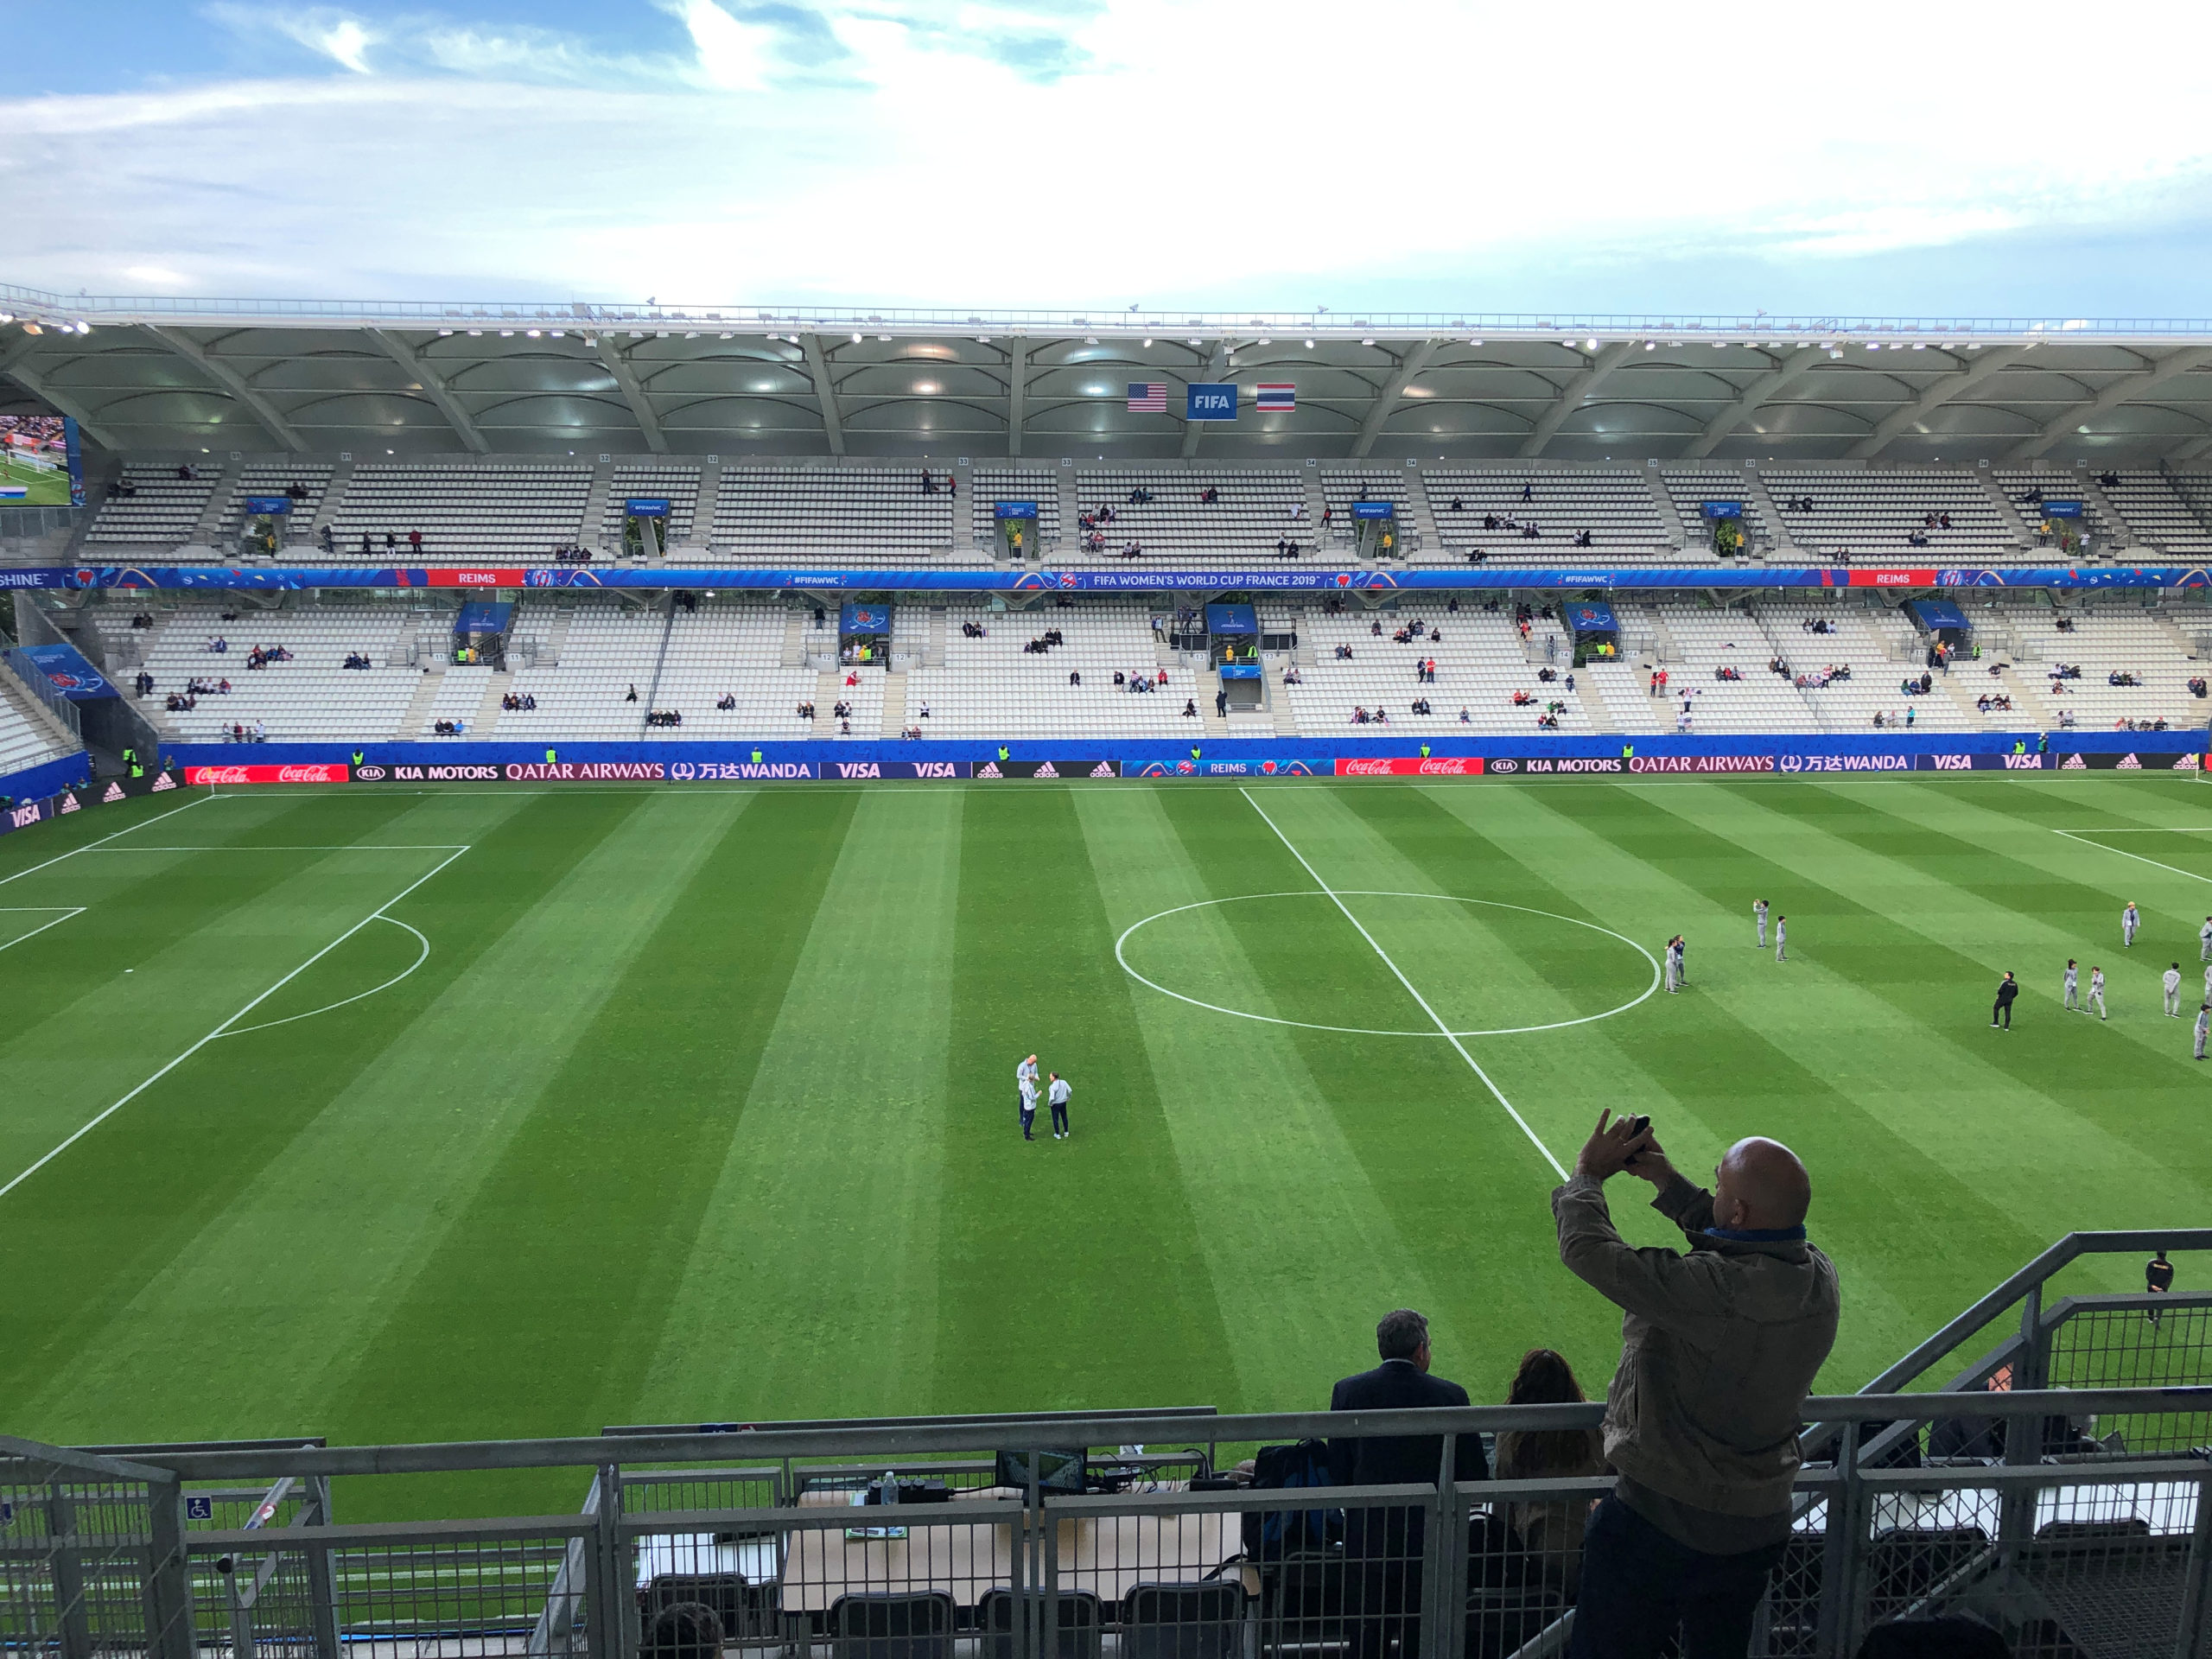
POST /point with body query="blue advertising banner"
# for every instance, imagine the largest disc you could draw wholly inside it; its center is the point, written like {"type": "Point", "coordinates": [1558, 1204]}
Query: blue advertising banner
{"type": "Point", "coordinates": [1590, 616]}
{"type": "Point", "coordinates": [1938, 614]}
{"type": "Point", "coordinates": [267, 506]}
{"type": "Point", "coordinates": [2062, 509]}
{"type": "Point", "coordinates": [1240, 671]}
{"type": "Point", "coordinates": [1209, 402]}
{"type": "Point", "coordinates": [1015, 510]}
{"type": "Point", "coordinates": [1231, 619]}
{"type": "Point", "coordinates": [482, 616]}
{"type": "Point", "coordinates": [645, 507]}
{"type": "Point", "coordinates": [1722, 509]}
{"type": "Point", "coordinates": [864, 618]}
{"type": "Point", "coordinates": [1374, 509]}
{"type": "Point", "coordinates": [67, 672]}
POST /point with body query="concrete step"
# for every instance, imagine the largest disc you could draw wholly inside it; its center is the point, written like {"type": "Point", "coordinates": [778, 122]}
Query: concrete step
{"type": "Point", "coordinates": [828, 686]}
{"type": "Point", "coordinates": [486, 719]}
{"type": "Point", "coordinates": [418, 707]}
{"type": "Point", "coordinates": [894, 726]}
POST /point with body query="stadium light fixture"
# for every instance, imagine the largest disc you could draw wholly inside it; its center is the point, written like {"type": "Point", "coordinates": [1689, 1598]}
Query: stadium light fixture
{"type": "Point", "coordinates": [475, 333]}
{"type": "Point", "coordinates": [1309, 345]}
{"type": "Point", "coordinates": [560, 334]}
{"type": "Point", "coordinates": [856, 339]}
{"type": "Point", "coordinates": [506, 334]}
{"type": "Point", "coordinates": [1091, 340]}
{"type": "Point", "coordinates": [1474, 342]}
{"type": "Point", "coordinates": [444, 333]}
{"type": "Point", "coordinates": [1590, 344]}
{"type": "Point", "coordinates": [33, 328]}
{"type": "Point", "coordinates": [7, 316]}
{"type": "Point", "coordinates": [1147, 340]}
{"type": "Point", "coordinates": [1264, 341]}
{"type": "Point", "coordinates": [1367, 342]}
{"type": "Point", "coordinates": [535, 334]}
{"type": "Point", "coordinates": [1650, 345]}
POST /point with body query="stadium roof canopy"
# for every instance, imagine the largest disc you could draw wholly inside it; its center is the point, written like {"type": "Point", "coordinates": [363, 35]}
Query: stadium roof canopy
{"type": "Point", "coordinates": [162, 376]}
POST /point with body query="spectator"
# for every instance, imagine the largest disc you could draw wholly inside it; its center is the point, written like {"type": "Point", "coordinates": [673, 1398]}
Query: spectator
{"type": "Point", "coordinates": [1382, 1547]}
{"type": "Point", "coordinates": [1718, 1349]}
{"type": "Point", "coordinates": [683, 1629]}
{"type": "Point", "coordinates": [415, 543]}
{"type": "Point", "coordinates": [1552, 1529]}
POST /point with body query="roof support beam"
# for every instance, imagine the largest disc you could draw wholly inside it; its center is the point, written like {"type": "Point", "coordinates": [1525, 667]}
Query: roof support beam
{"type": "Point", "coordinates": [2125, 389]}
{"type": "Point", "coordinates": [434, 387]}
{"type": "Point", "coordinates": [617, 362]}
{"type": "Point", "coordinates": [1946, 388]}
{"type": "Point", "coordinates": [232, 382]}
{"type": "Point", "coordinates": [1763, 391]}
{"type": "Point", "coordinates": [1017, 392]}
{"type": "Point", "coordinates": [1576, 390]}
{"type": "Point", "coordinates": [825, 393]}
{"type": "Point", "coordinates": [1217, 365]}
{"type": "Point", "coordinates": [15, 366]}
{"type": "Point", "coordinates": [1392, 392]}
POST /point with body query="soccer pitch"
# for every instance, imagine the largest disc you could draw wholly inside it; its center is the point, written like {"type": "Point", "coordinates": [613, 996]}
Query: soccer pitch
{"type": "Point", "coordinates": [48, 486]}
{"type": "Point", "coordinates": [387, 1115]}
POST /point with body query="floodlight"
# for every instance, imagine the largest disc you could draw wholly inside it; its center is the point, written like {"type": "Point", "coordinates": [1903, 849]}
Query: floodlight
{"type": "Point", "coordinates": [856, 339]}
{"type": "Point", "coordinates": [1309, 345]}
{"type": "Point", "coordinates": [1264, 341]}
{"type": "Point", "coordinates": [534, 334]}
{"type": "Point", "coordinates": [83, 327]}
{"type": "Point", "coordinates": [1147, 342]}
{"type": "Point", "coordinates": [560, 334]}
{"type": "Point", "coordinates": [506, 334]}
{"type": "Point", "coordinates": [444, 332]}
{"type": "Point", "coordinates": [1088, 339]}
{"type": "Point", "coordinates": [887, 337]}
{"type": "Point", "coordinates": [1367, 342]}
{"type": "Point", "coordinates": [475, 333]}
{"type": "Point", "coordinates": [1474, 342]}
{"type": "Point", "coordinates": [1591, 344]}
{"type": "Point", "coordinates": [1919, 345]}
{"type": "Point", "coordinates": [32, 328]}
{"type": "Point", "coordinates": [1650, 345]}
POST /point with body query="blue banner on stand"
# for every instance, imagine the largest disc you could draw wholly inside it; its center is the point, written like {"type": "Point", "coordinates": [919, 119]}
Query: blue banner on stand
{"type": "Point", "coordinates": [1231, 619]}
{"type": "Point", "coordinates": [1241, 671]}
{"type": "Point", "coordinates": [1938, 614]}
{"type": "Point", "coordinates": [1722, 509]}
{"type": "Point", "coordinates": [1374, 509]}
{"type": "Point", "coordinates": [270, 506]}
{"type": "Point", "coordinates": [645, 507]}
{"type": "Point", "coordinates": [68, 672]}
{"type": "Point", "coordinates": [864, 618]}
{"type": "Point", "coordinates": [1015, 510]}
{"type": "Point", "coordinates": [1590, 616]}
{"type": "Point", "coordinates": [1203, 401]}
{"type": "Point", "coordinates": [2062, 510]}
{"type": "Point", "coordinates": [482, 616]}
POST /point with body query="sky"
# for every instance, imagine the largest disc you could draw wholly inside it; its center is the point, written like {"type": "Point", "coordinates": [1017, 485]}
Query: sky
{"type": "Point", "coordinates": [1936, 157]}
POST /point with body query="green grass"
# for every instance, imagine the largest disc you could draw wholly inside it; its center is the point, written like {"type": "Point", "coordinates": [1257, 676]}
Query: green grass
{"type": "Point", "coordinates": [701, 1105]}
{"type": "Point", "coordinates": [47, 488]}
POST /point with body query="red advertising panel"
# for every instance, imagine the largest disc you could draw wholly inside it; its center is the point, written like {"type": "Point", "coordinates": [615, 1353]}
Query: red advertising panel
{"type": "Point", "coordinates": [1892, 579]}
{"type": "Point", "coordinates": [450, 578]}
{"type": "Point", "coordinates": [1409, 765]}
{"type": "Point", "coordinates": [296, 774]}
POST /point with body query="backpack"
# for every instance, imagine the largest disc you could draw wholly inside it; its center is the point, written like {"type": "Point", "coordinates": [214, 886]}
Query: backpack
{"type": "Point", "coordinates": [1269, 1535]}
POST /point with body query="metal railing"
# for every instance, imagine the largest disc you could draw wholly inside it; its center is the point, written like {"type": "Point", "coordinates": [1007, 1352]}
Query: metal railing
{"type": "Point", "coordinates": [36, 685]}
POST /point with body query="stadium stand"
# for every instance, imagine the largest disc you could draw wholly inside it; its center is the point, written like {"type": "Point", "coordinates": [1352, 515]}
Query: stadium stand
{"type": "Point", "coordinates": [156, 509]}
{"type": "Point", "coordinates": [1884, 511]}
{"type": "Point", "coordinates": [1690, 490]}
{"type": "Point", "coordinates": [28, 736]}
{"type": "Point", "coordinates": [1879, 647]}
{"type": "Point", "coordinates": [830, 513]}
{"type": "Point", "coordinates": [311, 697]}
{"type": "Point", "coordinates": [990, 687]}
{"type": "Point", "coordinates": [679, 486]}
{"type": "Point", "coordinates": [1481, 663]}
{"type": "Point", "coordinates": [996, 484]}
{"type": "Point", "coordinates": [480, 511]}
{"type": "Point", "coordinates": [2105, 637]}
{"type": "Point", "coordinates": [274, 478]}
{"type": "Point", "coordinates": [1253, 513]}
{"type": "Point", "coordinates": [2019, 485]}
{"type": "Point", "coordinates": [1341, 486]}
{"type": "Point", "coordinates": [1711, 638]}
{"type": "Point", "coordinates": [2159, 515]}
{"type": "Point", "coordinates": [1615, 507]}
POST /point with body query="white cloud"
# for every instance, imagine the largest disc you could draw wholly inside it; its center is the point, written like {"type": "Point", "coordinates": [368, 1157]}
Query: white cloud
{"type": "Point", "coordinates": [338, 35]}
{"type": "Point", "coordinates": [1184, 152]}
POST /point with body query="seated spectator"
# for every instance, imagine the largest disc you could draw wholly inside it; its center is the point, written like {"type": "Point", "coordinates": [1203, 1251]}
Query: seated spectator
{"type": "Point", "coordinates": [1190, 709]}
{"type": "Point", "coordinates": [726, 702]}
{"type": "Point", "coordinates": [1383, 1547]}
{"type": "Point", "coordinates": [631, 696]}
{"type": "Point", "coordinates": [1720, 1347]}
{"type": "Point", "coordinates": [1074, 676]}
{"type": "Point", "coordinates": [683, 1629]}
{"type": "Point", "coordinates": [1550, 1528]}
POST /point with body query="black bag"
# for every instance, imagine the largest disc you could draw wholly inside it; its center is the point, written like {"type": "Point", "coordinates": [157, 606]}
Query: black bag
{"type": "Point", "coordinates": [1269, 1535]}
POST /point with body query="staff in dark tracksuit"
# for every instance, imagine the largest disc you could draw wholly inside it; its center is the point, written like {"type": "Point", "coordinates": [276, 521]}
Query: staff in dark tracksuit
{"type": "Point", "coordinates": [2007, 990]}
{"type": "Point", "coordinates": [2158, 1280]}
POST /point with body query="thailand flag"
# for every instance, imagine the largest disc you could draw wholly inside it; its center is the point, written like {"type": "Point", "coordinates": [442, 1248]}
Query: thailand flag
{"type": "Point", "coordinates": [1277, 394]}
{"type": "Point", "coordinates": [1148, 398]}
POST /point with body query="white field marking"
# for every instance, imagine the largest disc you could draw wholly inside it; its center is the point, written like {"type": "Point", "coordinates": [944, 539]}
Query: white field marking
{"type": "Point", "coordinates": [2175, 868]}
{"type": "Point", "coordinates": [421, 957]}
{"type": "Point", "coordinates": [103, 840]}
{"type": "Point", "coordinates": [68, 911]}
{"type": "Point", "coordinates": [334, 846]}
{"type": "Point", "coordinates": [1364, 1031]}
{"type": "Point", "coordinates": [1442, 1029]}
{"type": "Point", "coordinates": [223, 1029]}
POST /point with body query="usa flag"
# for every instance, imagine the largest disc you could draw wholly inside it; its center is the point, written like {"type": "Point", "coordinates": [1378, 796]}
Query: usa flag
{"type": "Point", "coordinates": [1278, 395]}
{"type": "Point", "coordinates": [1149, 397]}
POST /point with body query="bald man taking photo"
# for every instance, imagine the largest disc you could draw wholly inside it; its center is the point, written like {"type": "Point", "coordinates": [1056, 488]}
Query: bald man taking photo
{"type": "Point", "coordinates": [1718, 1349]}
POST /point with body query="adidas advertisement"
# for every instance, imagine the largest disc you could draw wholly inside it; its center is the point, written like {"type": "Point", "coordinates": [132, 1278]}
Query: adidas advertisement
{"type": "Point", "coordinates": [102, 792]}
{"type": "Point", "coordinates": [987, 769]}
{"type": "Point", "coordinates": [2134, 760]}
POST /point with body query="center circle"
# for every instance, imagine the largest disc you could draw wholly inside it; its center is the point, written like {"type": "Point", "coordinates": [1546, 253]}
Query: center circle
{"type": "Point", "coordinates": [1120, 956]}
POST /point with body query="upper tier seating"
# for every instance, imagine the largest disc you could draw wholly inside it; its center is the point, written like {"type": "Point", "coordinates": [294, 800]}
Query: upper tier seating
{"type": "Point", "coordinates": [1480, 664]}
{"type": "Point", "coordinates": [1863, 511]}
{"type": "Point", "coordinates": [161, 510]}
{"type": "Point", "coordinates": [468, 512]}
{"type": "Point", "coordinates": [832, 512]}
{"type": "Point", "coordinates": [2156, 512]}
{"type": "Point", "coordinates": [2019, 483]}
{"type": "Point", "coordinates": [1616, 508]}
{"type": "Point", "coordinates": [996, 484]}
{"type": "Point", "coordinates": [1253, 514]}
{"type": "Point", "coordinates": [1342, 487]}
{"type": "Point", "coordinates": [675, 484]}
{"type": "Point", "coordinates": [1691, 488]}
{"type": "Point", "coordinates": [273, 477]}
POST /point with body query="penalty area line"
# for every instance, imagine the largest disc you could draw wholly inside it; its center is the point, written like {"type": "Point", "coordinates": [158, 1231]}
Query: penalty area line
{"type": "Point", "coordinates": [1443, 1030]}
{"type": "Point", "coordinates": [225, 1029]}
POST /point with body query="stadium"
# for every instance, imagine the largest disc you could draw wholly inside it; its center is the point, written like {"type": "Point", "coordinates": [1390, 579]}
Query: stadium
{"type": "Point", "coordinates": [628, 926]}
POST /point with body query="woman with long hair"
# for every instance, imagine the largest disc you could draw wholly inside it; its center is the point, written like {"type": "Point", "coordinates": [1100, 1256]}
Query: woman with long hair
{"type": "Point", "coordinates": [1551, 1529]}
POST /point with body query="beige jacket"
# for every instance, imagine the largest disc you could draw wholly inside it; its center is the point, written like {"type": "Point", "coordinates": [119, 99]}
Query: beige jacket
{"type": "Point", "coordinates": [1718, 1349]}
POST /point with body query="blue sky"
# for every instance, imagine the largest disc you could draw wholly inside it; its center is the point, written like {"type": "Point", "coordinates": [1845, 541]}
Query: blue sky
{"type": "Point", "coordinates": [1725, 156]}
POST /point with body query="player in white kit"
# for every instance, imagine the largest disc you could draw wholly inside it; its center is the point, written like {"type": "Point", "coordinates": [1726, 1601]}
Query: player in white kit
{"type": "Point", "coordinates": [1781, 938]}
{"type": "Point", "coordinates": [1758, 915]}
{"type": "Point", "coordinates": [2203, 1027]}
{"type": "Point", "coordinates": [2097, 991]}
{"type": "Point", "coordinates": [2173, 991]}
{"type": "Point", "coordinates": [2074, 986]}
{"type": "Point", "coordinates": [2129, 921]}
{"type": "Point", "coordinates": [1028, 1108]}
{"type": "Point", "coordinates": [2204, 943]}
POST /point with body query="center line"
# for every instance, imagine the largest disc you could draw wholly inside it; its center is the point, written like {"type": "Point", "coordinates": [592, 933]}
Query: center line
{"type": "Point", "coordinates": [1443, 1030]}
{"type": "Point", "coordinates": [223, 1029]}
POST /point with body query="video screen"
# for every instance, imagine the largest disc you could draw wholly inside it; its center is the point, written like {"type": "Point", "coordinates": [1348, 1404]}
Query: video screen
{"type": "Point", "coordinates": [41, 465]}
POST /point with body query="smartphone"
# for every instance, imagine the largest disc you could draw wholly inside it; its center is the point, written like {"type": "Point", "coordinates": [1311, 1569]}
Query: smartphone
{"type": "Point", "coordinates": [1639, 1124]}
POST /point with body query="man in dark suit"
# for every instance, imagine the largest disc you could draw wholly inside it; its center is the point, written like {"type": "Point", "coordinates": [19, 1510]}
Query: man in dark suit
{"type": "Point", "coordinates": [1382, 1547]}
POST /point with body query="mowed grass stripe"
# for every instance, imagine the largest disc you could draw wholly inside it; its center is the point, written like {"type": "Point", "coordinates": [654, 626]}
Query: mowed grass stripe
{"type": "Point", "coordinates": [810, 1288]}
{"type": "Point", "coordinates": [1303, 1252]}
{"type": "Point", "coordinates": [1735, 1055]}
{"type": "Point", "coordinates": [540, 1308]}
{"type": "Point", "coordinates": [1040, 1266]}
{"type": "Point", "coordinates": [296, 1272]}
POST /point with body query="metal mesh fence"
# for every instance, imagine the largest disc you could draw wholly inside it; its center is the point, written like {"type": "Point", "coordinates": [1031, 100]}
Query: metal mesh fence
{"type": "Point", "coordinates": [2136, 1342]}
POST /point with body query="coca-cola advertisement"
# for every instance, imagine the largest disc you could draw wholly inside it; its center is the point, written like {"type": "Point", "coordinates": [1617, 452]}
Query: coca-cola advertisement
{"type": "Point", "coordinates": [1413, 765]}
{"type": "Point", "coordinates": [335, 773]}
